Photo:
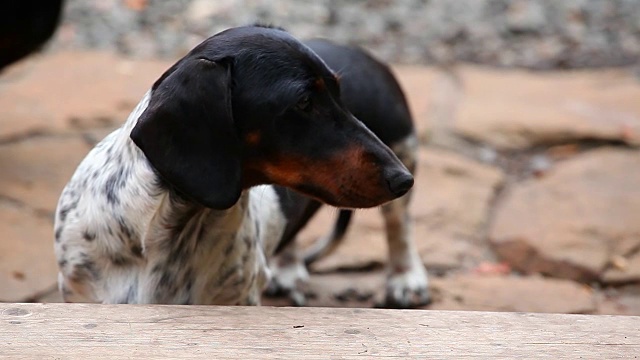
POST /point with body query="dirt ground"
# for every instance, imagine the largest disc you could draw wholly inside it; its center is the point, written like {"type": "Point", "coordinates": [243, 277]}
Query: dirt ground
{"type": "Point", "coordinates": [526, 195]}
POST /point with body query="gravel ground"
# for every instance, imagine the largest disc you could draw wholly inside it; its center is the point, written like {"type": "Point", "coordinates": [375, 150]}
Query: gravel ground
{"type": "Point", "coordinates": [539, 34]}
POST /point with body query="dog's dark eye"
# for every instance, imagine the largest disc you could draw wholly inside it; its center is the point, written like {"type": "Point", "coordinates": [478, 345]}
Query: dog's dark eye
{"type": "Point", "coordinates": [304, 104]}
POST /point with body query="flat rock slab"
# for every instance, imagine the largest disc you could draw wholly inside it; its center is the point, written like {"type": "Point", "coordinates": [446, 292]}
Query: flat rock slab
{"type": "Point", "coordinates": [579, 221]}
{"type": "Point", "coordinates": [421, 86]}
{"type": "Point", "coordinates": [27, 262]}
{"type": "Point", "coordinates": [458, 292]}
{"type": "Point", "coordinates": [462, 292]}
{"type": "Point", "coordinates": [73, 90]}
{"type": "Point", "coordinates": [512, 293]}
{"type": "Point", "coordinates": [624, 300]}
{"type": "Point", "coordinates": [451, 205]}
{"type": "Point", "coordinates": [35, 171]}
{"type": "Point", "coordinates": [515, 109]}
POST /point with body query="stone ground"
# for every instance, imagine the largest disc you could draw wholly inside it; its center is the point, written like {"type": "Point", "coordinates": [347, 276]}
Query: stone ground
{"type": "Point", "coordinates": [527, 191]}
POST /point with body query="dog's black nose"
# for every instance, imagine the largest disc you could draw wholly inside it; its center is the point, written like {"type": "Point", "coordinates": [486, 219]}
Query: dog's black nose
{"type": "Point", "coordinates": [400, 182]}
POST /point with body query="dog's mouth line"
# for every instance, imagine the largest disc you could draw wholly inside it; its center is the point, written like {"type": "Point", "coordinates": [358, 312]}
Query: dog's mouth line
{"type": "Point", "coordinates": [345, 198]}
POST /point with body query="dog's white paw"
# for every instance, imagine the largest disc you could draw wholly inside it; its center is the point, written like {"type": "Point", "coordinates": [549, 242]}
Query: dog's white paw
{"type": "Point", "coordinates": [407, 286]}
{"type": "Point", "coordinates": [290, 279]}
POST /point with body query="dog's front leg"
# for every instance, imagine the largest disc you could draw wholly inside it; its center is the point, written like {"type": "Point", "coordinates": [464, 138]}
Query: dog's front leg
{"type": "Point", "coordinates": [290, 275]}
{"type": "Point", "coordinates": [407, 280]}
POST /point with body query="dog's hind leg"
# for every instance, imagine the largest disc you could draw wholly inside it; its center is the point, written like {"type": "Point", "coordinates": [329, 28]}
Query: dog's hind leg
{"type": "Point", "coordinates": [290, 265]}
{"type": "Point", "coordinates": [328, 243]}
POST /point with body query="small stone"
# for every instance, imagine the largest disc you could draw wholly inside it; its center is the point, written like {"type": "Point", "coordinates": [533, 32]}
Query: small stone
{"type": "Point", "coordinates": [624, 270]}
{"type": "Point", "coordinates": [487, 155]}
{"type": "Point", "coordinates": [619, 262]}
{"type": "Point", "coordinates": [540, 164]}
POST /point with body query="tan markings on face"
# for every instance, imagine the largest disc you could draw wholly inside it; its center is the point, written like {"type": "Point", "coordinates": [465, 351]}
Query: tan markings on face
{"type": "Point", "coordinates": [355, 172]}
{"type": "Point", "coordinates": [284, 171]}
{"type": "Point", "coordinates": [343, 175]}
{"type": "Point", "coordinates": [320, 85]}
{"type": "Point", "coordinates": [253, 138]}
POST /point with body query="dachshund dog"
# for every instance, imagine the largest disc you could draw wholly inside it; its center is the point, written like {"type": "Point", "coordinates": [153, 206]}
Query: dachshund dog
{"type": "Point", "coordinates": [178, 206]}
{"type": "Point", "coordinates": [372, 94]}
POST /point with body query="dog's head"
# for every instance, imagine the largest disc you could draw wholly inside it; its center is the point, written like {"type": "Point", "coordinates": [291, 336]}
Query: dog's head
{"type": "Point", "coordinates": [253, 105]}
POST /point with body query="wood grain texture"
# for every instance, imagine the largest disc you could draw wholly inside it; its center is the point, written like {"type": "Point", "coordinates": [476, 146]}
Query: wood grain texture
{"type": "Point", "coordinates": [83, 331]}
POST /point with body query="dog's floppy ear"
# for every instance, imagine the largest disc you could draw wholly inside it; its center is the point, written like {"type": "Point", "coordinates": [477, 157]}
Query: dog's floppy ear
{"type": "Point", "coordinates": [187, 132]}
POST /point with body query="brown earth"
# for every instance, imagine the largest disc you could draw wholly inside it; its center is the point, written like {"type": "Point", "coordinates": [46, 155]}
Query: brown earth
{"type": "Point", "coordinates": [526, 192]}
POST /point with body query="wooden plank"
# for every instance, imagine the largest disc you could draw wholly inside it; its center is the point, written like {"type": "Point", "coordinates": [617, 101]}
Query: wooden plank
{"type": "Point", "coordinates": [84, 331]}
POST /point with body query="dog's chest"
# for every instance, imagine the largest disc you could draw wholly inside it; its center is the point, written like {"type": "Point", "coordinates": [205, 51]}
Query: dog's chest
{"type": "Point", "coordinates": [218, 260]}
{"type": "Point", "coordinates": [120, 238]}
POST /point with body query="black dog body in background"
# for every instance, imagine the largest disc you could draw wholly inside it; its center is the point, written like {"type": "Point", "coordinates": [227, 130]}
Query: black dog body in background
{"type": "Point", "coordinates": [373, 95]}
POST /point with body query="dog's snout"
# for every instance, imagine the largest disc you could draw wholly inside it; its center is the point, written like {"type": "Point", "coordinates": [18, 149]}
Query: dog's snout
{"type": "Point", "coordinates": [400, 182]}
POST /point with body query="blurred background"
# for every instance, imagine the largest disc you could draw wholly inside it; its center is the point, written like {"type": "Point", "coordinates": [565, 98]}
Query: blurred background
{"type": "Point", "coordinates": [527, 194]}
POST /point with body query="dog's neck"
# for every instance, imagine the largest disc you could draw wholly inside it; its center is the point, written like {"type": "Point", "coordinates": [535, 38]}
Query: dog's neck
{"type": "Point", "coordinates": [177, 235]}
{"type": "Point", "coordinates": [160, 206]}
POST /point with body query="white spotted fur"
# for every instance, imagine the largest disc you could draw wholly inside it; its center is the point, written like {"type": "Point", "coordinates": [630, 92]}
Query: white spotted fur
{"type": "Point", "coordinates": [146, 208]}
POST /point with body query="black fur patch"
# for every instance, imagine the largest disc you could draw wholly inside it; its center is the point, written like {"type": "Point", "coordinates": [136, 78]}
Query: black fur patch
{"type": "Point", "coordinates": [89, 236]}
{"type": "Point", "coordinates": [114, 183]}
{"type": "Point", "coordinates": [58, 233]}
{"type": "Point", "coordinates": [257, 226]}
{"type": "Point", "coordinates": [132, 294]}
{"type": "Point", "coordinates": [165, 280]}
{"type": "Point", "coordinates": [119, 260]}
{"type": "Point", "coordinates": [167, 286]}
{"type": "Point", "coordinates": [127, 231]}
{"type": "Point", "coordinates": [227, 274]}
{"type": "Point", "coordinates": [66, 292]}
{"type": "Point", "coordinates": [136, 250]}
{"type": "Point", "coordinates": [65, 209]}
{"type": "Point", "coordinates": [187, 279]}
{"type": "Point", "coordinates": [228, 250]}
{"type": "Point", "coordinates": [84, 271]}
{"type": "Point", "coordinates": [248, 242]}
